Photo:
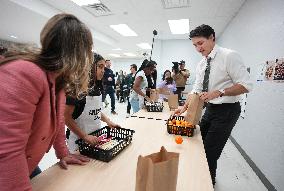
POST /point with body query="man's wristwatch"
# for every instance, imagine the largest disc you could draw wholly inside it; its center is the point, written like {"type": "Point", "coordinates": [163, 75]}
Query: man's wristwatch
{"type": "Point", "coordinates": [222, 91]}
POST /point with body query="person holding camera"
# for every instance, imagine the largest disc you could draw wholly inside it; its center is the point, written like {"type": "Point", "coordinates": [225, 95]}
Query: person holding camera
{"type": "Point", "coordinates": [221, 77]}
{"type": "Point", "coordinates": [180, 75]}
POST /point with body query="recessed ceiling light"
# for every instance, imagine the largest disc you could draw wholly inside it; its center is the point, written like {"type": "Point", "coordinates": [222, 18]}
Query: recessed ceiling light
{"type": "Point", "coordinates": [86, 2]}
{"type": "Point", "coordinates": [129, 54]}
{"type": "Point", "coordinates": [144, 46]}
{"type": "Point", "coordinates": [12, 36]}
{"type": "Point", "coordinates": [180, 26]}
{"type": "Point", "coordinates": [114, 55]}
{"type": "Point", "coordinates": [123, 29]}
{"type": "Point", "coordinates": [116, 49]}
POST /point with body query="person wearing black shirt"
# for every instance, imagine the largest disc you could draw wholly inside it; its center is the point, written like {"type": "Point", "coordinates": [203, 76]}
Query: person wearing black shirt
{"type": "Point", "coordinates": [109, 85]}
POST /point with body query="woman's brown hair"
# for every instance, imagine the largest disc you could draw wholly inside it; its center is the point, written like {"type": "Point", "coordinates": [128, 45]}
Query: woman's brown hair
{"type": "Point", "coordinates": [66, 48]}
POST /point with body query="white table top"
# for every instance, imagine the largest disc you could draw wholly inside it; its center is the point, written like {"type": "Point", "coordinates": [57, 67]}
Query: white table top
{"type": "Point", "coordinates": [120, 173]}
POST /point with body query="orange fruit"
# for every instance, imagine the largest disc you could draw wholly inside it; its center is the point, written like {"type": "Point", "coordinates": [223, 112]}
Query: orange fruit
{"type": "Point", "coordinates": [174, 121]}
{"type": "Point", "coordinates": [178, 139]}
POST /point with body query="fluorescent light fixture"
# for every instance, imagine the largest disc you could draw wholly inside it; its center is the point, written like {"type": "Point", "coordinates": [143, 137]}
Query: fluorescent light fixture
{"type": "Point", "coordinates": [144, 46]}
{"type": "Point", "coordinates": [123, 29]}
{"type": "Point", "coordinates": [12, 36]}
{"type": "Point", "coordinates": [129, 54]}
{"type": "Point", "coordinates": [114, 55]}
{"type": "Point", "coordinates": [86, 2]}
{"type": "Point", "coordinates": [117, 49]}
{"type": "Point", "coordinates": [180, 26]}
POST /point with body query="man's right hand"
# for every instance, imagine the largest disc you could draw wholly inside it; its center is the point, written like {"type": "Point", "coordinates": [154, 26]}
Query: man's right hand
{"type": "Point", "coordinates": [109, 79]}
{"type": "Point", "coordinates": [92, 140]}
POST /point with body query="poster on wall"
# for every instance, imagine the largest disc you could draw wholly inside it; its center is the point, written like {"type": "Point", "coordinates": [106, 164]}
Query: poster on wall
{"type": "Point", "coordinates": [279, 70]}
{"type": "Point", "coordinates": [272, 71]}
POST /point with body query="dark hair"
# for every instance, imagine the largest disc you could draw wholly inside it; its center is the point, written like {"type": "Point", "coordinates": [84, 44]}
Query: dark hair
{"type": "Point", "coordinates": [168, 80]}
{"type": "Point", "coordinates": [95, 86]}
{"type": "Point", "coordinates": [134, 66]}
{"type": "Point", "coordinates": [202, 31]}
{"type": "Point", "coordinates": [165, 74]}
{"type": "Point", "coordinates": [145, 64]}
{"type": "Point", "coordinates": [66, 48]}
{"type": "Point", "coordinates": [3, 50]}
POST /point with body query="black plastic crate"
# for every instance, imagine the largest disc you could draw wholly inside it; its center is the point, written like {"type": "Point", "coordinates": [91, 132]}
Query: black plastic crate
{"type": "Point", "coordinates": [178, 129]}
{"type": "Point", "coordinates": [123, 136]}
{"type": "Point", "coordinates": [154, 107]}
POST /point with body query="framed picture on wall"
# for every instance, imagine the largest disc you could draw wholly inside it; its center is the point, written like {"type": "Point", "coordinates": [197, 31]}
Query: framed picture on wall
{"type": "Point", "coordinates": [279, 70]}
{"type": "Point", "coordinates": [269, 70]}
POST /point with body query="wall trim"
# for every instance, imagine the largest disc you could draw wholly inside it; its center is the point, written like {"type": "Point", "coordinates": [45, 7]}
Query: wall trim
{"type": "Point", "coordinates": [257, 171]}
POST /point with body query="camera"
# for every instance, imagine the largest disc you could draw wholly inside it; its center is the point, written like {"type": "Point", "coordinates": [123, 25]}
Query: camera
{"type": "Point", "coordinates": [175, 67]}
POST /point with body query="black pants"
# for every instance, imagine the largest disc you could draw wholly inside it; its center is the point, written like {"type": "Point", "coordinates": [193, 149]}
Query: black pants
{"type": "Point", "coordinates": [110, 91]}
{"type": "Point", "coordinates": [179, 91]}
{"type": "Point", "coordinates": [216, 126]}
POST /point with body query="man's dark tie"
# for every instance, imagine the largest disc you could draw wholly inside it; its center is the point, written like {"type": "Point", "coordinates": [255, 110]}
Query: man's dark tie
{"type": "Point", "coordinates": [206, 76]}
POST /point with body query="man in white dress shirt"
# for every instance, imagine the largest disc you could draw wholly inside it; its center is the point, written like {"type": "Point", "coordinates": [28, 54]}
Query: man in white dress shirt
{"type": "Point", "coordinates": [221, 77]}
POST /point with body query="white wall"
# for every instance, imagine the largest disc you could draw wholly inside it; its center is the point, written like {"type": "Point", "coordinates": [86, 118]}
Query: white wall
{"type": "Point", "coordinates": [164, 53]}
{"type": "Point", "coordinates": [177, 50]}
{"type": "Point", "coordinates": [257, 33]}
{"type": "Point", "coordinates": [124, 65]}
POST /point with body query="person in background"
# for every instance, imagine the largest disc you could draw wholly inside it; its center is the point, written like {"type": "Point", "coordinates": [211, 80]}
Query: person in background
{"type": "Point", "coordinates": [151, 79]}
{"type": "Point", "coordinates": [221, 77]}
{"type": "Point", "coordinates": [84, 116]}
{"type": "Point", "coordinates": [33, 87]}
{"type": "Point", "coordinates": [119, 84]}
{"type": "Point", "coordinates": [180, 77]}
{"type": "Point", "coordinates": [109, 85]}
{"type": "Point", "coordinates": [138, 93]}
{"type": "Point", "coordinates": [168, 85]}
{"type": "Point", "coordinates": [129, 80]}
{"type": "Point", "coordinates": [3, 50]}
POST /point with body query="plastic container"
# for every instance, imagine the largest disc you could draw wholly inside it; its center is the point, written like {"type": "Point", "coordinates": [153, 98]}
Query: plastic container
{"type": "Point", "coordinates": [154, 107]}
{"type": "Point", "coordinates": [121, 136]}
{"type": "Point", "coordinates": [178, 129]}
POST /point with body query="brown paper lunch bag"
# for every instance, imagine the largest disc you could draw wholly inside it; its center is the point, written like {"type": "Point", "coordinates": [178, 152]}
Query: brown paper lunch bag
{"type": "Point", "coordinates": [194, 109]}
{"type": "Point", "coordinates": [173, 101]}
{"type": "Point", "coordinates": [157, 172]}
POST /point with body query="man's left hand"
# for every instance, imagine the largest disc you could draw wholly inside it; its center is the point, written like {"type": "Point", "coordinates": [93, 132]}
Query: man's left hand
{"type": "Point", "coordinates": [73, 159]}
{"type": "Point", "coordinates": [207, 96]}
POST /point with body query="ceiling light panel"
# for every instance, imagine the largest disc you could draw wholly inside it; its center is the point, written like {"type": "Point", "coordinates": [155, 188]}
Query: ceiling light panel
{"type": "Point", "coordinates": [145, 46]}
{"type": "Point", "coordinates": [169, 4]}
{"type": "Point", "coordinates": [123, 29]}
{"type": "Point", "coordinates": [180, 26]}
{"type": "Point", "coordinates": [129, 54]}
{"type": "Point", "coordinates": [114, 55]}
{"type": "Point", "coordinates": [117, 49]}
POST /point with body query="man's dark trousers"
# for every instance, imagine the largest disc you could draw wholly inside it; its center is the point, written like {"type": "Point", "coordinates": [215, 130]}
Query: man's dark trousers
{"type": "Point", "coordinates": [110, 91]}
{"type": "Point", "coordinates": [216, 126]}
